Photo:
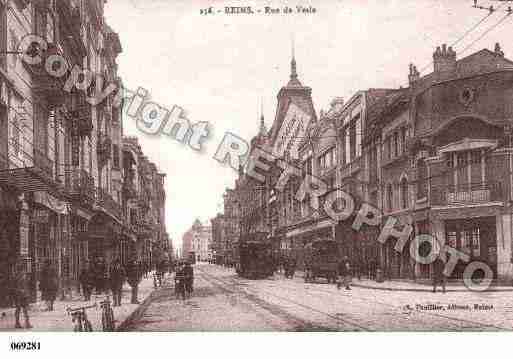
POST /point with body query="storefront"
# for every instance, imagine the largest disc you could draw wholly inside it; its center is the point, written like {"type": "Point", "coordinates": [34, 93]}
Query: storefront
{"type": "Point", "coordinates": [50, 234]}
{"type": "Point", "coordinates": [475, 237]}
{"type": "Point", "coordinates": [299, 236]}
{"type": "Point", "coordinates": [104, 237]}
{"type": "Point", "coordinates": [9, 238]}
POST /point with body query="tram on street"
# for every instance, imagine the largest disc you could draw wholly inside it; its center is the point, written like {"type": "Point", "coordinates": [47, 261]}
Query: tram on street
{"type": "Point", "coordinates": [254, 260]}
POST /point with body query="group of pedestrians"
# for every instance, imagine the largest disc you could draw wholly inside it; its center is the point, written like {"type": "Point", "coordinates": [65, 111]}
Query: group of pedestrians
{"type": "Point", "coordinates": [97, 277]}
{"type": "Point", "coordinates": [184, 279]}
{"type": "Point", "coordinates": [94, 276]}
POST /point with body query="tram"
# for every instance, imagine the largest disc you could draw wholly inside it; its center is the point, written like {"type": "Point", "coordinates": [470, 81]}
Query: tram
{"type": "Point", "coordinates": [254, 260]}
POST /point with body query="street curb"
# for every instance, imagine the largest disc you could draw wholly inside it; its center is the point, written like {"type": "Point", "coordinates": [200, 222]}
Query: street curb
{"type": "Point", "coordinates": [137, 313]}
{"type": "Point", "coordinates": [390, 289]}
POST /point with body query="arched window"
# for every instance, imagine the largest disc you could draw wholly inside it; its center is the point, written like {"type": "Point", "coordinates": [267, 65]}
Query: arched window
{"type": "Point", "coordinates": [404, 193]}
{"type": "Point", "coordinates": [421, 179]}
{"type": "Point", "coordinates": [390, 197]}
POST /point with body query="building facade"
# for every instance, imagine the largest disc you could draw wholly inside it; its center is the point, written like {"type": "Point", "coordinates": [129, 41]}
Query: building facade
{"type": "Point", "coordinates": [61, 159]}
{"type": "Point", "coordinates": [198, 239]}
{"type": "Point", "coordinates": [439, 155]}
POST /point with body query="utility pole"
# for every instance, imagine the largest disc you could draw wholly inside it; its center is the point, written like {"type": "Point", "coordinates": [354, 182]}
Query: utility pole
{"type": "Point", "coordinates": [491, 9]}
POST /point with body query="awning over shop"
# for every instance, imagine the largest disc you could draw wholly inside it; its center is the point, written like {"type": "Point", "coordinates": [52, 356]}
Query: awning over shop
{"type": "Point", "coordinates": [310, 228]}
{"type": "Point", "coordinates": [51, 202]}
{"type": "Point", "coordinates": [8, 200]}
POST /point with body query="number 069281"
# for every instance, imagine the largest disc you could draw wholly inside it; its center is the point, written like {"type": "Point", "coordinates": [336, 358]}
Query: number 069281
{"type": "Point", "coordinates": [25, 345]}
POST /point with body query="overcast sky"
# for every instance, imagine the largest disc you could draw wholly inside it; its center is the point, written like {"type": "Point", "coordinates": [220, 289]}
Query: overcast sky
{"type": "Point", "coordinates": [217, 67]}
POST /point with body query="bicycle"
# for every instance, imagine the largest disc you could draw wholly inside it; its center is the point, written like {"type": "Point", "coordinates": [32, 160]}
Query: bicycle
{"type": "Point", "coordinates": [79, 318]}
{"type": "Point", "coordinates": [108, 322]}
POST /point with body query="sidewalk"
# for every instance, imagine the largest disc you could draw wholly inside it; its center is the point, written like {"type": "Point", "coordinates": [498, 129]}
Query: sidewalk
{"type": "Point", "coordinates": [59, 320]}
{"type": "Point", "coordinates": [407, 286]}
{"type": "Point", "coordinates": [410, 286]}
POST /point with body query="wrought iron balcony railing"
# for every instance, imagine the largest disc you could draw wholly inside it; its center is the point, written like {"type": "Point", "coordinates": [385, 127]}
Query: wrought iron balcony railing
{"type": "Point", "coordinates": [105, 200]}
{"type": "Point", "coordinates": [104, 148]}
{"type": "Point", "coordinates": [467, 193]}
{"type": "Point", "coordinates": [80, 185]}
{"type": "Point", "coordinates": [43, 165]}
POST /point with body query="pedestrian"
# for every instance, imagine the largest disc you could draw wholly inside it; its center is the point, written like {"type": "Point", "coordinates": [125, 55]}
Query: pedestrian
{"type": "Point", "coordinates": [373, 266]}
{"type": "Point", "coordinates": [134, 274]}
{"type": "Point", "coordinates": [21, 294]}
{"type": "Point", "coordinates": [99, 273]}
{"type": "Point", "coordinates": [86, 281]}
{"type": "Point", "coordinates": [48, 284]}
{"type": "Point", "coordinates": [438, 274]}
{"type": "Point", "coordinates": [117, 277]}
{"type": "Point", "coordinates": [344, 273]}
{"type": "Point", "coordinates": [189, 277]}
{"type": "Point", "coordinates": [358, 266]}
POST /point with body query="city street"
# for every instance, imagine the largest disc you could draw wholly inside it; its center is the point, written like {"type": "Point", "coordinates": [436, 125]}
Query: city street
{"type": "Point", "coordinates": [224, 302]}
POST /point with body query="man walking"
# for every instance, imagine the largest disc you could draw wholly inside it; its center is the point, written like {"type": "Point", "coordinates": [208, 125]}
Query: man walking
{"type": "Point", "coordinates": [117, 278]}
{"type": "Point", "coordinates": [48, 284]}
{"type": "Point", "coordinates": [21, 295]}
{"type": "Point", "coordinates": [438, 274]}
{"type": "Point", "coordinates": [86, 281]}
{"type": "Point", "coordinates": [134, 274]}
{"type": "Point", "coordinates": [344, 273]}
{"type": "Point", "coordinates": [189, 277]}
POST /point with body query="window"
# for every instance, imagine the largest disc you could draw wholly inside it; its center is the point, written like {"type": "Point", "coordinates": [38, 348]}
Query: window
{"type": "Point", "coordinates": [352, 131]}
{"type": "Point", "coordinates": [16, 138]}
{"type": "Point", "coordinates": [396, 144]}
{"type": "Point", "coordinates": [390, 197]}
{"type": "Point", "coordinates": [403, 140]}
{"type": "Point", "coordinates": [388, 148]}
{"type": "Point", "coordinates": [358, 135]}
{"type": "Point", "coordinates": [348, 146]}
{"type": "Point", "coordinates": [307, 166]}
{"type": "Point", "coordinates": [421, 179]}
{"type": "Point", "coordinates": [404, 193]}
{"type": "Point", "coordinates": [115, 156]}
{"type": "Point", "coordinates": [3, 36]}
{"type": "Point", "coordinates": [327, 159]}
{"type": "Point", "coordinates": [40, 23]}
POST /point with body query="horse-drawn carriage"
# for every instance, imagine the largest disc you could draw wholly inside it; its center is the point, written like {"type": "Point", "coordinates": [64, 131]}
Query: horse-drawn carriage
{"type": "Point", "coordinates": [321, 260]}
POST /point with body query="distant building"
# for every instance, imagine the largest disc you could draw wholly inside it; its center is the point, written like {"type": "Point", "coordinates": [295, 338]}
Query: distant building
{"type": "Point", "coordinates": [198, 239]}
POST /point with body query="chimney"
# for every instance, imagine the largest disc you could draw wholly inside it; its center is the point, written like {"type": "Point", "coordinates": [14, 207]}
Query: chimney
{"type": "Point", "coordinates": [444, 60]}
{"type": "Point", "coordinates": [498, 51]}
{"type": "Point", "coordinates": [413, 76]}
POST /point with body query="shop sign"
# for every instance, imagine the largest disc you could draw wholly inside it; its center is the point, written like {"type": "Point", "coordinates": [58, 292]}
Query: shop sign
{"type": "Point", "coordinates": [51, 202]}
{"type": "Point", "coordinates": [75, 143]}
{"type": "Point", "coordinates": [24, 235]}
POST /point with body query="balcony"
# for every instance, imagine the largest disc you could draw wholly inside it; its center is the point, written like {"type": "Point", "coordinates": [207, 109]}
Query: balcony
{"type": "Point", "coordinates": [31, 173]}
{"type": "Point", "coordinates": [129, 190]}
{"type": "Point", "coordinates": [80, 186]}
{"type": "Point", "coordinates": [466, 194]}
{"type": "Point", "coordinates": [352, 167]}
{"type": "Point", "coordinates": [84, 120]}
{"type": "Point", "coordinates": [144, 200]}
{"type": "Point", "coordinates": [105, 201]}
{"type": "Point", "coordinates": [104, 149]}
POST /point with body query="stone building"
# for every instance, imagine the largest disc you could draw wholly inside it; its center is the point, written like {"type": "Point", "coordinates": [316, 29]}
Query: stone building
{"type": "Point", "coordinates": [198, 239]}
{"type": "Point", "coordinates": [443, 160]}
{"type": "Point", "coordinates": [61, 160]}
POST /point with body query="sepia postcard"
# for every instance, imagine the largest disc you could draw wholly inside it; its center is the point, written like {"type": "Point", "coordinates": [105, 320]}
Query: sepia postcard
{"type": "Point", "coordinates": [255, 166]}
